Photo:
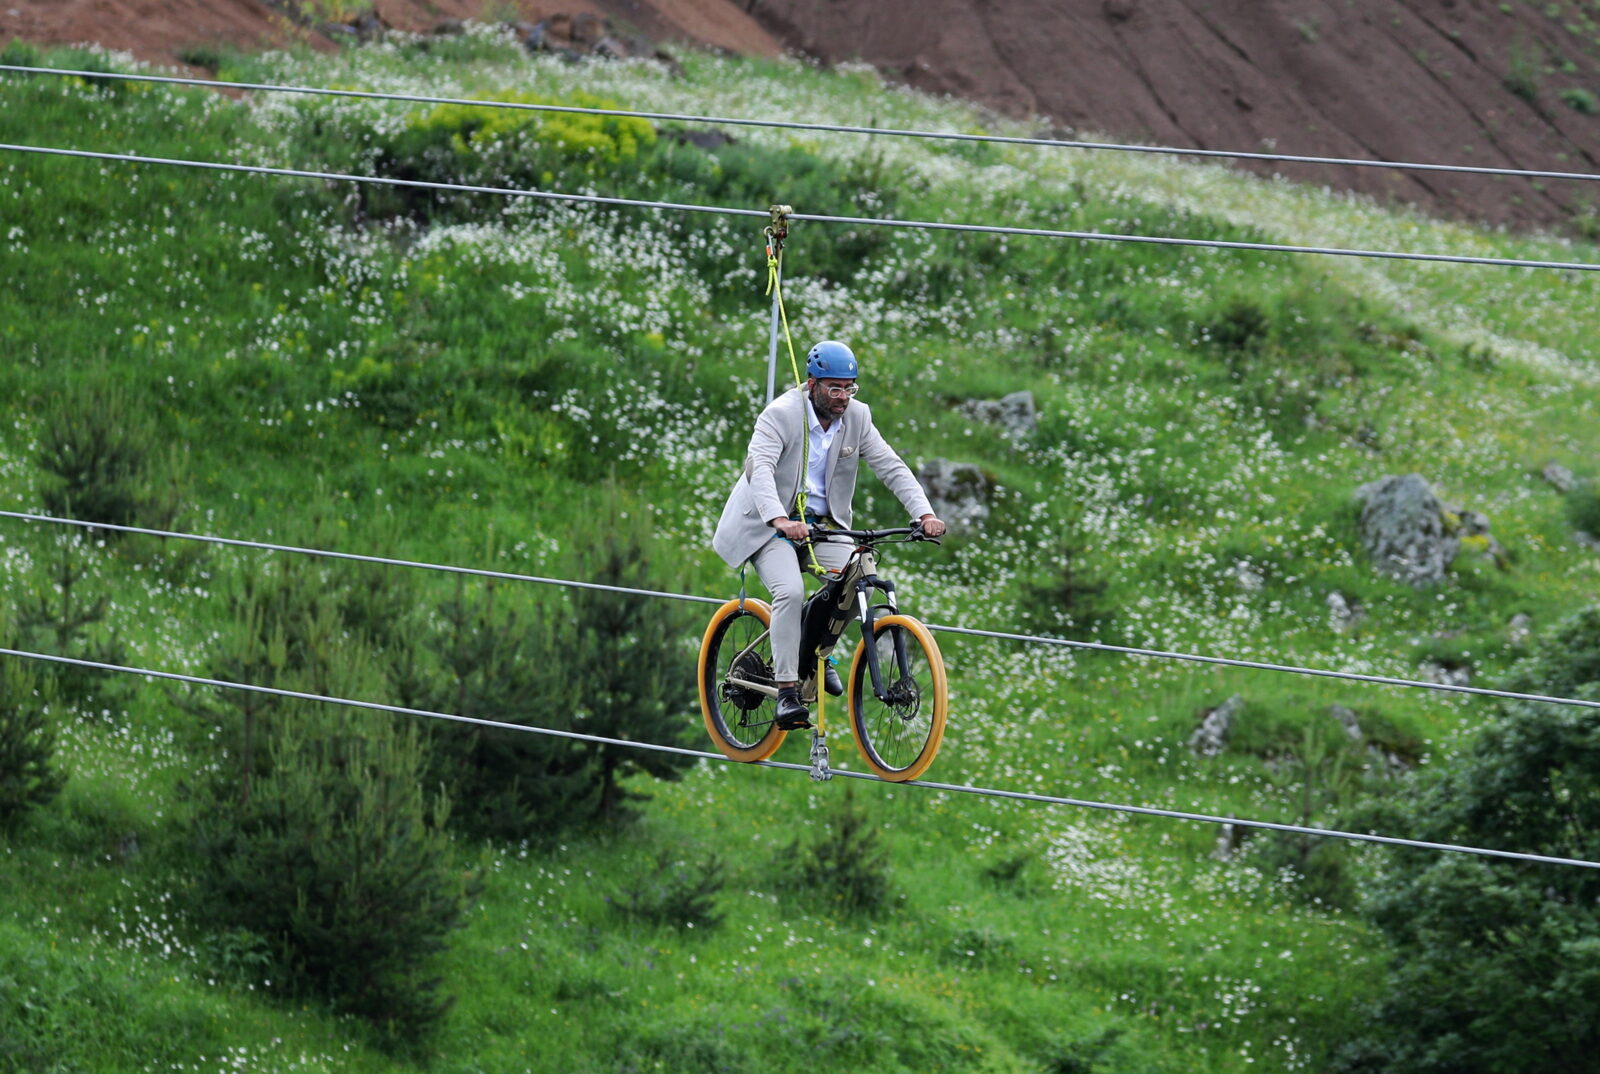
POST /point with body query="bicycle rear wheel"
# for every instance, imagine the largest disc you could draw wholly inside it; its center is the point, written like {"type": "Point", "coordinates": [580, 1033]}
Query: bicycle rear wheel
{"type": "Point", "coordinates": [737, 648]}
{"type": "Point", "coordinates": [899, 734]}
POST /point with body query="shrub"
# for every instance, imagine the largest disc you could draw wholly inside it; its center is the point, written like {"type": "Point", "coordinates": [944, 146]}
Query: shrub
{"type": "Point", "coordinates": [102, 460]}
{"type": "Point", "coordinates": [676, 894]}
{"type": "Point", "coordinates": [504, 665]}
{"type": "Point", "coordinates": [206, 56]}
{"type": "Point", "coordinates": [62, 620]}
{"type": "Point", "coordinates": [338, 864]}
{"type": "Point", "coordinates": [1069, 595]}
{"type": "Point", "coordinates": [27, 744]}
{"type": "Point", "coordinates": [1242, 325]}
{"type": "Point", "coordinates": [487, 145]}
{"type": "Point", "coordinates": [19, 54]}
{"type": "Point", "coordinates": [1083, 1055]}
{"type": "Point", "coordinates": [844, 862]}
{"type": "Point", "coordinates": [1580, 100]}
{"type": "Point", "coordinates": [628, 673]}
{"type": "Point", "coordinates": [1583, 506]}
{"type": "Point", "coordinates": [1494, 961]}
{"type": "Point", "coordinates": [1522, 70]}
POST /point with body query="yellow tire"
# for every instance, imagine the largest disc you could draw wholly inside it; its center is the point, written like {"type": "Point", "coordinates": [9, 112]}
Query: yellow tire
{"type": "Point", "coordinates": [899, 735]}
{"type": "Point", "coordinates": [737, 645]}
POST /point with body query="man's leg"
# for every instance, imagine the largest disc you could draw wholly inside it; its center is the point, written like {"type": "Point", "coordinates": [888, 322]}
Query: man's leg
{"type": "Point", "coordinates": [779, 569]}
{"type": "Point", "coordinates": [832, 556]}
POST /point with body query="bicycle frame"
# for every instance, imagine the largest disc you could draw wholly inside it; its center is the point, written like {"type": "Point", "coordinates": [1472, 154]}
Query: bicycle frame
{"type": "Point", "coordinates": [897, 704]}
{"type": "Point", "coordinates": [830, 610]}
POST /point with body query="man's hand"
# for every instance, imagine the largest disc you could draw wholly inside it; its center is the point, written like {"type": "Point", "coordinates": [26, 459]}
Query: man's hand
{"type": "Point", "coordinates": [931, 525]}
{"type": "Point", "coordinates": [795, 531]}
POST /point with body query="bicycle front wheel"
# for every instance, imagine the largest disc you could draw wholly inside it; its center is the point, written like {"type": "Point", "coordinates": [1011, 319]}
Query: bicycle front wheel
{"type": "Point", "coordinates": [899, 733]}
{"type": "Point", "coordinates": [735, 658]}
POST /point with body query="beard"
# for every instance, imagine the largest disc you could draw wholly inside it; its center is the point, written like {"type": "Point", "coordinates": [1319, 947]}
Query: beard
{"type": "Point", "coordinates": [827, 407]}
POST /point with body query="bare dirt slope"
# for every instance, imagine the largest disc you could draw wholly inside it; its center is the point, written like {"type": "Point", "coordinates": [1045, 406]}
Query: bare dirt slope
{"type": "Point", "coordinates": [156, 30]}
{"type": "Point", "coordinates": [1446, 81]}
{"type": "Point", "coordinates": [1490, 84]}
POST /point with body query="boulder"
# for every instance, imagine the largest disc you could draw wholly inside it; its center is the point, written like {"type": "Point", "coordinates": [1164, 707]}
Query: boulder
{"type": "Point", "coordinates": [1446, 674]}
{"type": "Point", "coordinates": [1519, 631]}
{"type": "Point", "coordinates": [578, 36]}
{"type": "Point", "coordinates": [1016, 413]}
{"type": "Point", "coordinates": [1118, 10]}
{"type": "Point", "coordinates": [1343, 614]}
{"type": "Point", "coordinates": [700, 139]}
{"type": "Point", "coordinates": [1404, 532]}
{"type": "Point", "coordinates": [959, 491]}
{"type": "Point", "coordinates": [1348, 720]}
{"type": "Point", "coordinates": [1559, 477]}
{"type": "Point", "coordinates": [1212, 734]}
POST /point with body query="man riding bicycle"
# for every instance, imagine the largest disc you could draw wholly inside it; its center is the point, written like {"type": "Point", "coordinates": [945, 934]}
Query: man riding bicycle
{"type": "Point", "coordinates": [800, 471]}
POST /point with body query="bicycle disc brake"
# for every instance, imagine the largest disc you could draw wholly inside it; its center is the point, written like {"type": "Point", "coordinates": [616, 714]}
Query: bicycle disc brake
{"type": "Point", "coordinates": [905, 699]}
{"type": "Point", "coordinates": [751, 668]}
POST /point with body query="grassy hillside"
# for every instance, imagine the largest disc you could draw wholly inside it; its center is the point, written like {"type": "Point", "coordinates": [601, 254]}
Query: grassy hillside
{"type": "Point", "coordinates": [500, 383]}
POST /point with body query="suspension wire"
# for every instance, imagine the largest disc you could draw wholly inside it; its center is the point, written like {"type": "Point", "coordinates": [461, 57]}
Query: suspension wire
{"type": "Point", "coordinates": [958, 788]}
{"type": "Point", "coordinates": [868, 221]}
{"type": "Point", "coordinates": [834, 128]}
{"type": "Point", "coordinates": [324, 553]}
{"type": "Point", "coordinates": [1036, 639]}
{"type": "Point", "coordinates": [1256, 665]}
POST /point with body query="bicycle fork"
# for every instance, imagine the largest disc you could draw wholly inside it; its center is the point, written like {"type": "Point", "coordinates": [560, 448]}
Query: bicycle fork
{"type": "Point", "coordinates": [868, 615]}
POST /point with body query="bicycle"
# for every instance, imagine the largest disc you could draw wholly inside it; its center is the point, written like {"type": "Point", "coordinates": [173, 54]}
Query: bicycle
{"type": "Point", "coordinates": [896, 693]}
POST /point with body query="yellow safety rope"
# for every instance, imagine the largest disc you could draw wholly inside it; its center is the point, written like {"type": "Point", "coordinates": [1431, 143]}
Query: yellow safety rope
{"type": "Point", "coordinates": [776, 232]}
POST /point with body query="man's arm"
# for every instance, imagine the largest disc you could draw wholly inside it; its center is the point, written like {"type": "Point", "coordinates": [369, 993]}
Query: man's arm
{"type": "Point", "coordinates": [761, 467]}
{"type": "Point", "coordinates": [898, 478]}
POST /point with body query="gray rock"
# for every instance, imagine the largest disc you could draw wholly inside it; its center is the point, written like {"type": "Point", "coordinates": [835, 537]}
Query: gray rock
{"type": "Point", "coordinates": [701, 139]}
{"type": "Point", "coordinates": [1016, 413]}
{"type": "Point", "coordinates": [1118, 10]}
{"type": "Point", "coordinates": [1348, 720]}
{"type": "Point", "coordinates": [959, 491]}
{"type": "Point", "coordinates": [1559, 477]}
{"type": "Point", "coordinates": [1212, 734]}
{"type": "Point", "coordinates": [1342, 614]}
{"type": "Point", "coordinates": [1445, 675]}
{"type": "Point", "coordinates": [1403, 530]}
{"type": "Point", "coordinates": [1587, 540]}
{"type": "Point", "coordinates": [1520, 630]}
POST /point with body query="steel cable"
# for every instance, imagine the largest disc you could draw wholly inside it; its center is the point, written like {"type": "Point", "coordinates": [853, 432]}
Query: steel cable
{"type": "Point", "coordinates": [957, 788]}
{"type": "Point", "coordinates": [866, 221]}
{"type": "Point", "coordinates": [833, 128]}
{"type": "Point", "coordinates": [1035, 639]}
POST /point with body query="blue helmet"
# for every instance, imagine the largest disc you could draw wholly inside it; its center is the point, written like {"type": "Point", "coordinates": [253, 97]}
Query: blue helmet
{"type": "Point", "coordinates": [831, 359]}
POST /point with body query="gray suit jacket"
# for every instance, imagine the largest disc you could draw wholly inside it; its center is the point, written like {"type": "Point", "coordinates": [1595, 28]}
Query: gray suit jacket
{"type": "Point", "coordinates": [774, 465]}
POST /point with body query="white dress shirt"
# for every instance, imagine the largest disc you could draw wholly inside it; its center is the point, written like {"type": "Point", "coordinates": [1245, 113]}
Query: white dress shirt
{"type": "Point", "coordinates": [817, 462]}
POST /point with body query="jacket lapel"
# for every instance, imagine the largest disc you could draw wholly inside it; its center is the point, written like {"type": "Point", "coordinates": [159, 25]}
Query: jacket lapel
{"type": "Point", "coordinates": [841, 440]}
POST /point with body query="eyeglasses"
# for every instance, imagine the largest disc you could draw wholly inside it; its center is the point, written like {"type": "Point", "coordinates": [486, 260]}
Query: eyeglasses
{"type": "Point", "coordinates": [843, 393]}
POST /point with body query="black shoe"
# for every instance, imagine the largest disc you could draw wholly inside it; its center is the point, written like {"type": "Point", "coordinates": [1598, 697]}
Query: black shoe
{"type": "Point", "coordinates": [830, 680]}
{"type": "Point", "coordinates": [792, 712]}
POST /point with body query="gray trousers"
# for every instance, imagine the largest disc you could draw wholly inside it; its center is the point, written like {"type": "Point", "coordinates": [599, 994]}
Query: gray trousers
{"type": "Point", "coordinates": [778, 565]}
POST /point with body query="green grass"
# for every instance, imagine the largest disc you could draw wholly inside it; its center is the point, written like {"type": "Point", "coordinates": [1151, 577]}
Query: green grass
{"type": "Point", "coordinates": [450, 382]}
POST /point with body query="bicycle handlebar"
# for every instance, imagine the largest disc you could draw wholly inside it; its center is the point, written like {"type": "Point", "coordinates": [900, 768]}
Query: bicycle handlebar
{"type": "Point", "coordinates": [912, 532]}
